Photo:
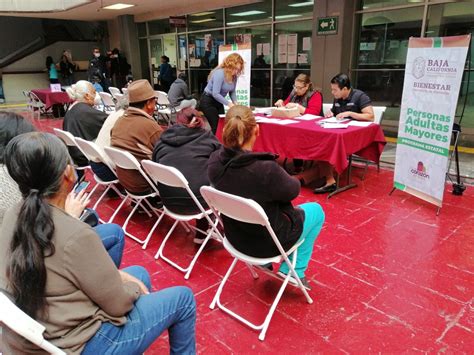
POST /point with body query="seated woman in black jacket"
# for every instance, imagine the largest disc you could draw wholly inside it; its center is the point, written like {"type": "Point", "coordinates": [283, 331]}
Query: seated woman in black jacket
{"type": "Point", "coordinates": [187, 147]}
{"type": "Point", "coordinates": [237, 170]}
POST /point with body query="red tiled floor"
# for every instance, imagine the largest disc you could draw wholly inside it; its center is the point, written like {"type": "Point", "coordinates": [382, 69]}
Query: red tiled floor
{"type": "Point", "coordinates": [388, 275]}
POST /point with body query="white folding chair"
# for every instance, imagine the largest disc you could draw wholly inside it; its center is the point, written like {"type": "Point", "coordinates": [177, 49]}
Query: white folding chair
{"type": "Point", "coordinates": [163, 106]}
{"type": "Point", "coordinates": [120, 101]}
{"type": "Point", "coordinates": [378, 116]}
{"type": "Point", "coordinates": [326, 107]}
{"type": "Point", "coordinates": [22, 324]}
{"type": "Point", "coordinates": [170, 176]}
{"type": "Point", "coordinates": [68, 138]}
{"type": "Point", "coordinates": [93, 153]}
{"type": "Point", "coordinates": [125, 91]}
{"type": "Point", "coordinates": [114, 91]}
{"type": "Point", "coordinates": [108, 101]}
{"type": "Point", "coordinates": [125, 160]}
{"type": "Point", "coordinates": [36, 105]}
{"type": "Point", "coordinates": [248, 211]}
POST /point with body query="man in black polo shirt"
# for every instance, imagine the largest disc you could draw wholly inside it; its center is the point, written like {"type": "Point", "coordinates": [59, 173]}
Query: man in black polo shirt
{"type": "Point", "coordinates": [348, 103]}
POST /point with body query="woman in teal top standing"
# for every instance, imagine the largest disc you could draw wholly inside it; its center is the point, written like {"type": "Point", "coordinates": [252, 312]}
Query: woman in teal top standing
{"type": "Point", "coordinates": [52, 71]}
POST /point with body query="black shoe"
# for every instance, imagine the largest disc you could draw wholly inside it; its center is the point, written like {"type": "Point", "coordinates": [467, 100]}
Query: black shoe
{"type": "Point", "coordinates": [325, 189]}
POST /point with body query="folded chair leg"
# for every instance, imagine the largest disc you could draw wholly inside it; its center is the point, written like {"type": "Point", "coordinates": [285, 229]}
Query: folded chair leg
{"type": "Point", "coordinates": [124, 227]}
{"type": "Point", "coordinates": [196, 256]}
{"type": "Point", "coordinates": [148, 237]}
{"type": "Point", "coordinates": [269, 316]}
{"type": "Point", "coordinates": [292, 272]}
{"type": "Point", "coordinates": [118, 209]}
{"type": "Point", "coordinates": [221, 286]}
{"type": "Point", "coordinates": [252, 271]}
{"type": "Point", "coordinates": [162, 246]}
{"type": "Point", "coordinates": [101, 197]}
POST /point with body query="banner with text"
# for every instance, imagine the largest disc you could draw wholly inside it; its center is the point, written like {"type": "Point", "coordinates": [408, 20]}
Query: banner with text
{"type": "Point", "coordinates": [243, 82]}
{"type": "Point", "coordinates": [433, 73]}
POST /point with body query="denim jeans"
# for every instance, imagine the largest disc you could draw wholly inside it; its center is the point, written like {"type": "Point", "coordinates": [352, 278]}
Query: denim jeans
{"type": "Point", "coordinates": [113, 238]}
{"type": "Point", "coordinates": [173, 308]}
{"type": "Point", "coordinates": [313, 222]}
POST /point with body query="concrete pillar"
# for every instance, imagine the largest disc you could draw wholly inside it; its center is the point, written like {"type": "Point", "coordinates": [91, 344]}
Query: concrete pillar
{"type": "Point", "coordinates": [332, 53]}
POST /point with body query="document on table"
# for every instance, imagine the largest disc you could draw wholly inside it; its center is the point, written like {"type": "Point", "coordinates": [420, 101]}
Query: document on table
{"type": "Point", "coordinates": [264, 110]}
{"type": "Point", "coordinates": [285, 122]}
{"type": "Point", "coordinates": [360, 123]}
{"type": "Point", "coordinates": [274, 120]}
{"type": "Point", "coordinates": [335, 125]}
{"type": "Point", "coordinates": [332, 119]}
{"type": "Point", "coordinates": [306, 117]}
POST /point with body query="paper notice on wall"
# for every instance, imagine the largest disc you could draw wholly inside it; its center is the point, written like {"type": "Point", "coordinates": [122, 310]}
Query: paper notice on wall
{"type": "Point", "coordinates": [306, 43]}
{"type": "Point", "coordinates": [247, 38]}
{"type": "Point", "coordinates": [292, 48]}
{"type": "Point", "coordinates": [282, 48]}
{"type": "Point", "coordinates": [302, 58]}
{"type": "Point", "coordinates": [259, 49]}
{"type": "Point", "coordinates": [153, 60]}
{"type": "Point", "coordinates": [193, 62]}
{"type": "Point", "coordinates": [266, 48]}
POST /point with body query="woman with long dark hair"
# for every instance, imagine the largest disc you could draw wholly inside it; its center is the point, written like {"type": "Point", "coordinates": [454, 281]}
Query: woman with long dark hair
{"type": "Point", "coordinates": [56, 269]}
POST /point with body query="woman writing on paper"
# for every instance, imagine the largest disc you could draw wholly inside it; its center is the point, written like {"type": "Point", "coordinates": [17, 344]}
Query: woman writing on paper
{"type": "Point", "coordinates": [222, 81]}
{"type": "Point", "coordinates": [304, 97]}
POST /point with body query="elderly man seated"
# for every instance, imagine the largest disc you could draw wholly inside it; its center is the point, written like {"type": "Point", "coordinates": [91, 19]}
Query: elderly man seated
{"type": "Point", "coordinates": [82, 119]}
{"type": "Point", "coordinates": [137, 132]}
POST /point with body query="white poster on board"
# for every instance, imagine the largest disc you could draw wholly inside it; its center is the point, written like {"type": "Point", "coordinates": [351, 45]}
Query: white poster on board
{"type": "Point", "coordinates": [434, 68]}
{"type": "Point", "coordinates": [243, 82]}
{"type": "Point", "coordinates": [292, 48]}
{"type": "Point", "coordinates": [282, 48]}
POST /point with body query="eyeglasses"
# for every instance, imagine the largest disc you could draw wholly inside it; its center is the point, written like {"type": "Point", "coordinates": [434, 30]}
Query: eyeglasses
{"type": "Point", "coordinates": [298, 87]}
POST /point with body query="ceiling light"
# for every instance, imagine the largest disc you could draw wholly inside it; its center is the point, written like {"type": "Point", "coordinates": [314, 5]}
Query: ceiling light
{"type": "Point", "coordinates": [203, 20]}
{"type": "Point", "coordinates": [248, 13]}
{"type": "Point", "coordinates": [118, 6]}
{"type": "Point", "coordinates": [301, 4]}
{"type": "Point", "coordinates": [282, 17]}
{"type": "Point", "coordinates": [237, 23]}
{"type": "Point", "coordinates": [199, 14]}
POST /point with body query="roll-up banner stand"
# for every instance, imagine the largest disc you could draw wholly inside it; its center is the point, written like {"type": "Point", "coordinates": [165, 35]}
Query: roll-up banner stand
{"type": "Point", "coordinates": [433, 73]}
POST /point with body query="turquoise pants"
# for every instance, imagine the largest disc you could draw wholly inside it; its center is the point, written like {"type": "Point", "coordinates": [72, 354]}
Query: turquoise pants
{"type": "Point", "coordinates": [313, 222]}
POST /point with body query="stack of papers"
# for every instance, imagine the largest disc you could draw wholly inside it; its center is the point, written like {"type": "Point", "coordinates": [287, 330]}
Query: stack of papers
{"type": "Point", "coordinates": [307, 117]}
{"type": "Point", "coordinates": [332, 119]}
{"type": "Point", "coordinates": [334, 125]}
{"type": "Point", "coordinates": [263, 110]}
{"type": "Point", "coordinates": [274, 120]}
{"type": "Point", "coordinates": [359, 123]}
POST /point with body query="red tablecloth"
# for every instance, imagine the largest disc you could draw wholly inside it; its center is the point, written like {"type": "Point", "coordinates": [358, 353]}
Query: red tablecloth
{"type": "Point", "coordinates": [309, 141]}
{"type": "Point", "coordinates": [50, 98]}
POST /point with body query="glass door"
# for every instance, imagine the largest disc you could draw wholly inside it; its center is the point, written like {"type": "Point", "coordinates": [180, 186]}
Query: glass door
{"type": "Point", "coordinates": [162, 45]}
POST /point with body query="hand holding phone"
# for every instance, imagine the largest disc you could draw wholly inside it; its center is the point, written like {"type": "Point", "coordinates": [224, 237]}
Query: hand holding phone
{"type": "Point", "coordinates": [81, 186]}
{"type": "Point", "coordinates": [76, 203]}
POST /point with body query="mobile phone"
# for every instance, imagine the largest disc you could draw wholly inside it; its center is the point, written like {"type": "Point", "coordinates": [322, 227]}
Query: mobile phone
{"type": "Point", "coordinates": [82, 186]}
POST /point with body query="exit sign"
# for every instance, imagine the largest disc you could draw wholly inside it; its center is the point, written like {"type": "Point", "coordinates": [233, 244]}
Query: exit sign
{"type": "Point", "coordinates": [328, 25]}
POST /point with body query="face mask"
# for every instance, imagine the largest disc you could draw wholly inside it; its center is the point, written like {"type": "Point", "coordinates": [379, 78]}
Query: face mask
{"type": "Point", "coordinates": [97, 100]}
{"type": "Point", "coordinates": [97, 55]}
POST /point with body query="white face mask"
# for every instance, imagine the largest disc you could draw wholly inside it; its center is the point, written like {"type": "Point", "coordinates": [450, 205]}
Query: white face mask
{"type": "Point", "coordinates": [97, 100]}
{"type": "Point", "coordinates": [97, 55]}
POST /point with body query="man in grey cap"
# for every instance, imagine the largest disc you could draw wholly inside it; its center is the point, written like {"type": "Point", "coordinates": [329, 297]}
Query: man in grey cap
{"type": "Point", "coordinates": [137, 132]}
